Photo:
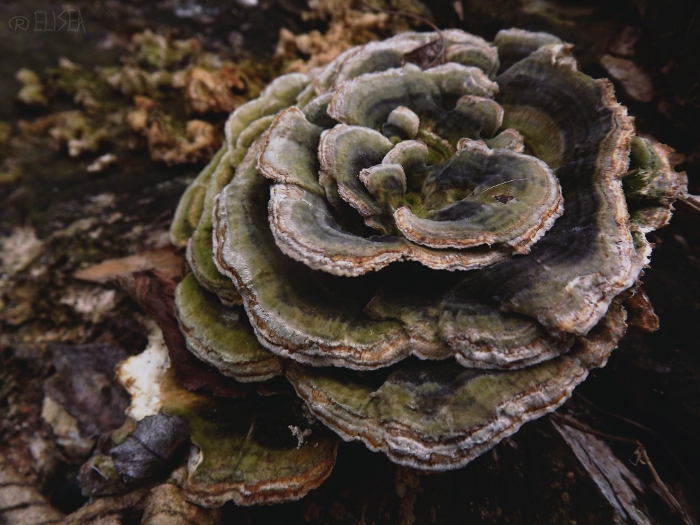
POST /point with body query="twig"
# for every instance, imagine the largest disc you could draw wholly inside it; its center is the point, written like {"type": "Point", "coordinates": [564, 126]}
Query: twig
{"type": "Point", "coordinates": [612, 414]}
{"type": "Point", "coordinates": [638, 425]}
{"type": "Point", "coordinates": [499, 184]}
{"type": "Point", "coordinates": [691, 200]}
{"type": "Point", "coordinates": [640, 452]}
{"type": "Point", "coordinates": [473, 194]}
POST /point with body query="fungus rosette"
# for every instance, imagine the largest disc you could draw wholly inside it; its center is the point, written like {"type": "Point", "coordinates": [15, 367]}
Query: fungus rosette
{"type": "Point", "coordinates": [429, 237]}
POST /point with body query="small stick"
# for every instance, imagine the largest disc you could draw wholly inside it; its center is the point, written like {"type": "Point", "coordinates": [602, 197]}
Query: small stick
{"type": "Point", "coordinates": [492, 187]}
{"type": "Point", "coordinates": [499, 184]}
{"type": "Point", "coordinates": [640, 451]}
{"type": "Point", "coordinates": [638, 425]}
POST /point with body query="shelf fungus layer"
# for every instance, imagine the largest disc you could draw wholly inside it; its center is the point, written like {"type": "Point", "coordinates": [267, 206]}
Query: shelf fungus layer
{"type": "Point", "coordinates": [249, 445]}
{"type": "Point", "coordinates": [458, 220]}
{"type": "Point", "coordinates": [247, 450]}
{"type": "Point", "coordinates": [221, 336]}
{"type": "Point", "coordinates": [437, 416]}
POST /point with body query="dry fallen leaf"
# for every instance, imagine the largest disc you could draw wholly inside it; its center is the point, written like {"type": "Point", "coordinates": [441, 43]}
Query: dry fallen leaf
{"type": "Point", "coordinates": [165, 260]}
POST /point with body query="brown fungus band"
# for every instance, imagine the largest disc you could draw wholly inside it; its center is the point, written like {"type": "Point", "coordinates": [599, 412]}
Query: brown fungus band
{"type": "Point", "coordinates": [484, 213]}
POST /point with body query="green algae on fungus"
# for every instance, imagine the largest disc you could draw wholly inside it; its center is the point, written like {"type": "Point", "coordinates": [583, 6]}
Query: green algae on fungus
{"type": "Point", "coordinates": [246, 359]}
{"type": "Point", "coordinates": [246, 450]}
{"type": "Point", "coordinates": [473, 213]}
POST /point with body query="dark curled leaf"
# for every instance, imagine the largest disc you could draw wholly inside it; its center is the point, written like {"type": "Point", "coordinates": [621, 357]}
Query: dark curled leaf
{"type": "Point", "coordinates": [148, 451]}
{"type": "Point", "coordinates": [84, 385]}
{"type": "Point", "coordinates": [427, 55]}
{"type": "Point", "coordinates": [640, 312]}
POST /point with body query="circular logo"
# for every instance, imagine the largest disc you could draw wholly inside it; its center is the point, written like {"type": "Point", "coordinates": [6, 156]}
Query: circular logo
{"type": "Point", "coordinates": [19, 23]}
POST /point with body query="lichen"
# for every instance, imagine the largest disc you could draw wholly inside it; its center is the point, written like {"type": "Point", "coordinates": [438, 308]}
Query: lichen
{"type": "Point", "coordinates": [178, 94]}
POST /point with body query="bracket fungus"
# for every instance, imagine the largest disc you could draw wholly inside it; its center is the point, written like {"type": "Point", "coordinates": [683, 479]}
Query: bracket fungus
{"type": "Point", "coordinates": [432, 251]}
